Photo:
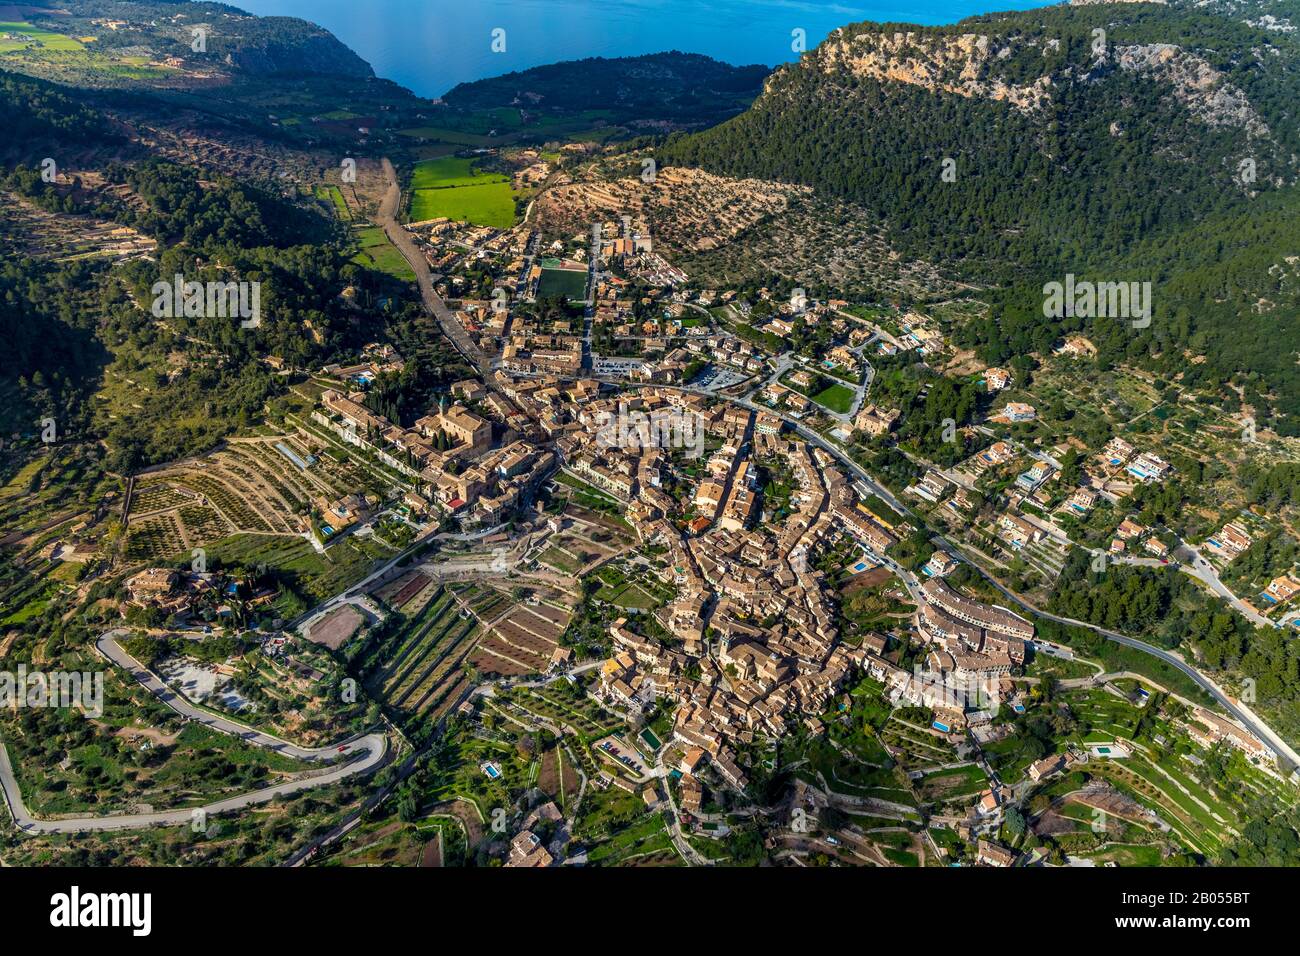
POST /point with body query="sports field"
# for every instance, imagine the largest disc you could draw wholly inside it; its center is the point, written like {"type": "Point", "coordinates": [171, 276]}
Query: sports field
{"type": "Point", "coordinates": [453, 188]}
{"type": "Point", "coordinates": [569, 283]}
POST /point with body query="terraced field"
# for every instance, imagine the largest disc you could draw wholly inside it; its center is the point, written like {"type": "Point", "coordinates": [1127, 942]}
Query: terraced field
{"type": "Point", "coordinates": [160, 497]}
{"type": "Point", "coordinates": [519, 640]}
{"type": "Point", "coordinates": [156, 537]}
{"type": "Point", "coordinates": [559, 777]}
{"type": "Point", "coordinates": [409, 594]}
{"type": "Point", "coordinates": [914, 747]}
{"type": "Point", "coordinates": [1203, 796]}
{"type": "Point", "coordinates": [558, 707]}
{"type": "Point", "coordinates": [251, 486]}
{"type": "Point", "coordinates": [957, 783]}
{"type": "Point", "coordinates": [823, 765]}
{"type": "Point", "coordinates": [315, 576]}
{"type": "Point", "coordinates": [422, 667]}
{"type": "Point", "coordinates": [582, 722]}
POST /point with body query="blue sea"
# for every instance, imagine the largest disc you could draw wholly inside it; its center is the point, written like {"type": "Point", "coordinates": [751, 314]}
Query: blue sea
{"type": "Point", "coordinates": [429, 46]}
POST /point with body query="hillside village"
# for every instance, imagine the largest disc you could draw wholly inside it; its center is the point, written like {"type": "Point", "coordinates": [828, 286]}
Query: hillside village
{"type": "Point", "coordinates": [581, 526]}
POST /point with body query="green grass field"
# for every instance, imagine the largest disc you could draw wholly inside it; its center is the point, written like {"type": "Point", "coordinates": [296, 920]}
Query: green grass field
{"type": "Point", "coordinates": [451, 136]}
{"type": "Point", "coordinates": [838, 398]}
{"type": "Point", "coordinates": [450, 171]}
{"type": "Point", "coordinates": [45, 39]}
{"type": "Point", "coordinates": [568, 283]}
{"type": "Point", "coordinates": [490, 205]}
{"type": "Point", "coordinates": [378, 253]}
{"type": "Point", "coordinates": [334, 197]}
{"type": "Point", "coordinates": [453, 188]}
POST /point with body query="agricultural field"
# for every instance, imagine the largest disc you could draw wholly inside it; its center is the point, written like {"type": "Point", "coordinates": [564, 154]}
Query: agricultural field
{"type": "Point", "coordinates": [296, 697]}
{"type": "Point", "coordinates": [129, 758]}
{"type": "Point", "coordinates": [644, 843]}
{"type": "Point", "coordinates": [409, 593]}
{"type": "Point", "coordinates": [439, 838]}
{"type": "Point", "coordinates": [24, 36]}
{"type": "Point", "coordinates": [515, 756]}
{"type": "Point", "coordinates": [571, 491]}
{"type": "Point", "coordinates": [385, 842]}
{"type": "Point", "coordinates": [956, 783]}
{"type": "Point", "coordinates": [1162, 792]}
{"type": "Point", "coordinates": [1115, 396]}
{"type": "Point", "coordinates": [76, 59]}
{"type": "Point", "coordinates": [28, 230]}
{"type": "Point", "coordinates": [519, 637]}
{"type": "Point", "coordinates": [559, 777]}
{"type": "Point", "coordinates": [501, 126]}
{"type": "Point", "coordinates": [306, 576]}
{"type": "Point", "coordinates": [333, 197]}
{"type": "Point", "coordinates": [615, 830]}
{"type": "Point", "coordinates": [58, 512]}
{"type": "Point", "coordinates": [914, 746]}
{"type": "Point", "coordinates": [827, 767]}
{"type": "Point", "coordinates": [452, 188]}
{"type": "Point", "coordinates": [454, 139]}
{"type": "Point", "coordinates": [41, 491]}
{"type": "Point", "coordinates": [632, 589]}
{"type": "Point", "coordinates": [586, 538]}
{"type": "Point", "coordinates": [263, 838]}
{"type": "Point", "coordinates": [377, 253]}
{"type": "Point", "coordinates": [567, 723]}
{"type": "Point", "coordinates": [420, 669]}
{"type": "Point", "coordinates": [250, 486]}
{"type": "Point", "coordinates": [564, 706]}
{"type": "Point", "coordinates": [335, 629]}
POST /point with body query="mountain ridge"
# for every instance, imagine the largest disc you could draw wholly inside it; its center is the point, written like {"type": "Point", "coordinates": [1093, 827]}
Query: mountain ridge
{"type": "Point", "coordinates": [1018, 147]}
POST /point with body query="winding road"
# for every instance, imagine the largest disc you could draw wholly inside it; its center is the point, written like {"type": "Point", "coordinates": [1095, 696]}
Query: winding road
{"type": "Point", "coordinates": [364, 754]}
